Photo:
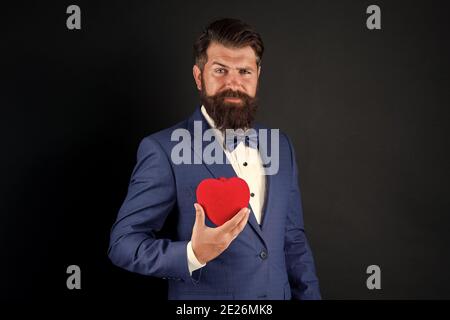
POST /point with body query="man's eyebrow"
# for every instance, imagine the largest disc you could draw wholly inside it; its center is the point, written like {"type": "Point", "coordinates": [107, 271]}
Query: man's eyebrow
{"type": "Point", "coordinates": [246, 68]}
{"type": "Point", "coordinates": [220, 64]}
{"type": "Point", "coordinates": [239, 68]}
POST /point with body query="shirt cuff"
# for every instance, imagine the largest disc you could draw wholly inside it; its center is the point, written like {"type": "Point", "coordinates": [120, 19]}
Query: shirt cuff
{"type": "Point", "coordinates": [193, 263]}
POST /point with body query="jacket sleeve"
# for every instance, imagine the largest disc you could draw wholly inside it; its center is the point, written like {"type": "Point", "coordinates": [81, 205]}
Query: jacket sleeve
{"type": "Point", "coordinates": [150, 198]}
{"type": "Point", "coordinates": [299, 259]}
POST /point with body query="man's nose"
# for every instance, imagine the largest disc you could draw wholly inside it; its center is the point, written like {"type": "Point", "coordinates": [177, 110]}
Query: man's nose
{"type": "Point", "coordinates": [233, 82]}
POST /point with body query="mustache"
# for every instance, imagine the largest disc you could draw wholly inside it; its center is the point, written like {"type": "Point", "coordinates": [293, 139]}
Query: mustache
{"type": "Point", "coordinates": [229, 93]}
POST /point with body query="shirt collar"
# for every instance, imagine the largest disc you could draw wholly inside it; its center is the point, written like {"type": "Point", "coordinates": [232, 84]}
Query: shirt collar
{"type": "Point", "coordinates": [207, 117]}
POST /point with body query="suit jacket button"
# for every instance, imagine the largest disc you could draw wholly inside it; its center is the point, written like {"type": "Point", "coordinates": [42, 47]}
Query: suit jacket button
{"type": "Point", "coordinates": [263, 255]}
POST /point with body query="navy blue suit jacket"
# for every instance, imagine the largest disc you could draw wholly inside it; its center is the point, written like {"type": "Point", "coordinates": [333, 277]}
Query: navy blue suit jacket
{"type": "Point", "coordinates": [268, 261]}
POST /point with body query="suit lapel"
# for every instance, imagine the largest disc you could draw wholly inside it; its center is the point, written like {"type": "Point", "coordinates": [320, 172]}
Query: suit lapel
{"type": "Point", "coordinates": [197, 126]}
{"type": "Point", "coordinates": [265, 150]}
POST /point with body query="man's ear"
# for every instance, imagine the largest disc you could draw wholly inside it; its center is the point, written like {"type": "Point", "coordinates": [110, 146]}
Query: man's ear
{"type": "Point", "coordinates": [197, 73]}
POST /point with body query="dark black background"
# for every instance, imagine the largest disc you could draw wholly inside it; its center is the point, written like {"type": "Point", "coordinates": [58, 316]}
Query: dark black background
{"type": "Point", "coordinates": [366, 110]}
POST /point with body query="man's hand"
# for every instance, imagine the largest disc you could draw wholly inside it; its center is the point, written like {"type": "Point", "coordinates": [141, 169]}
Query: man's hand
{"type": "Point", "coordinates": [208, 243]}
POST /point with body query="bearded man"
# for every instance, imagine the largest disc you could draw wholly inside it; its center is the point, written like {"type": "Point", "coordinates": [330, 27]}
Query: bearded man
{"type": "Point", "coordinates": [260, 253]}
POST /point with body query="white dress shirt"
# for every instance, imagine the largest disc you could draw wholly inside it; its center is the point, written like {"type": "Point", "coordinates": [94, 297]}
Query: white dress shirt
{"type": "Point", "coordinates": [247, 164]}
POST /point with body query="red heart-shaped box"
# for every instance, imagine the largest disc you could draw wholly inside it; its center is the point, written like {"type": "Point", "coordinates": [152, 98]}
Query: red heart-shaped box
{"type": "Point", "coordinates": [223, 198]}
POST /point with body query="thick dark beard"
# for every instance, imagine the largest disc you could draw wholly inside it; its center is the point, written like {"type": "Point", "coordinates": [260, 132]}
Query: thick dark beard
{"type": "Point", "coordinates": [230, 115]}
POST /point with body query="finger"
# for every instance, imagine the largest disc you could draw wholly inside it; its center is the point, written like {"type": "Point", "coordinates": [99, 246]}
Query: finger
{"type": "Point", "coordinates": [232, 223]}
{"type": "Point", "coordinates": [241, 225]}
{"type": "Point", "coordinates": [199, 215]}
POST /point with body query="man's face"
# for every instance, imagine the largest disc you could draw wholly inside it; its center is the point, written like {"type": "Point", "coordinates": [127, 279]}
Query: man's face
{"type": "Point", "coordinates": [229, 68]}
{"type": "Point", "coordinates": [228, 85]}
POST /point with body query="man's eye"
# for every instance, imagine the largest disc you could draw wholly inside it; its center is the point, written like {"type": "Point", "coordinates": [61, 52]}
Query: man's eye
{"type": "Point", "coordinates": [245, 71]}
{"type": "Point", "coordinates": [220, 70]}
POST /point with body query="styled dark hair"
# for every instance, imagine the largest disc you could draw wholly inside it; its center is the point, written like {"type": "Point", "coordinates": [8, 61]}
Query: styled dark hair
{"type": "Point", "coordinates": [228, 32]}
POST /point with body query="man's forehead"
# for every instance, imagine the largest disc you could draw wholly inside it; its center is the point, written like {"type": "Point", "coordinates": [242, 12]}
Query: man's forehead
{"type": "Point", "coordinates": [234, 56]}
